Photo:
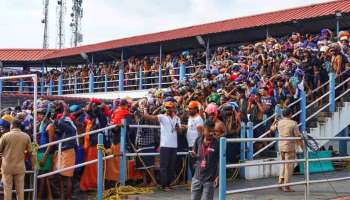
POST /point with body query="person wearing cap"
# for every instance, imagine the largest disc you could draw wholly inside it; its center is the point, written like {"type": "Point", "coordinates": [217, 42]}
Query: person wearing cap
{"type": "Point", "coordinates": [344, 37]}
{"type": "Point", "coordinates": [65, 128]}
{"type": "Point", "coordinates": [120, 113]}
{"type": "Point", "coordinates": [4, 126]}
{"type": "Point", "coordinates": [231, 119]}
{"type": "Point", "coordinates": [46, 134]}
{"type": "Point", "coordinates": [194, 127]}
{"type": "Point", "coordinates": [287, 127]}
{"type": "Point", "coordinates": [170, 126]}
{"type": "Point", "coordinates": [212, 113]}
{"type": "Point", "coordinates": [336, 60]}
{"type": "Point", "coordinates": [13, 147]}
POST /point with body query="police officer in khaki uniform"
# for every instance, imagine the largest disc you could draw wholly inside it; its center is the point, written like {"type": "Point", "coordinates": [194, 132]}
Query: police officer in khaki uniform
{"type": "Point", "coordinates": [287, 127]}
{"type": "Point", "coordinates": [13, 147]}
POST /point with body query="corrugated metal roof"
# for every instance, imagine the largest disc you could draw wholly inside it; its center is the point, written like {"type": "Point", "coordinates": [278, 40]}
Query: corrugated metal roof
{"type": "Point", "coordinates": [305, 12]}
{"type": "Point", "coordinates": [24, 54]}
{"type": "Point", "coordinates": [300, 13]}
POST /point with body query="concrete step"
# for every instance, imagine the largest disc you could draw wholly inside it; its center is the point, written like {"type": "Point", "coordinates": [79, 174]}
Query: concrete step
{"type": "Point", "coordinates": [324, 114]}
{"type": "Point", "coordinates": [311, 124]}
{"type": "Point", "coordinates": [322, 119]}
{"type": "Point", "coordinates": [339, 104]}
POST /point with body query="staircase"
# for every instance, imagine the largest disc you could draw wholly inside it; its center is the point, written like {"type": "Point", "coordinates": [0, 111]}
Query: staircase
{"type": "Point", "coordinates": [331, 124]}
{"type": "Point", "coordinates": [319, 123]}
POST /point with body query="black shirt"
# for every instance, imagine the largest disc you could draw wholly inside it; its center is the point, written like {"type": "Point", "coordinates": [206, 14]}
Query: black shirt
{"type": "Point", "coordinates": [207, 160]}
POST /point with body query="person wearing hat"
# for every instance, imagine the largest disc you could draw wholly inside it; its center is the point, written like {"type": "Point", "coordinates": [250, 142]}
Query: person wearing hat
{"type": "Point", "coordinates": [170, 126]}
{"type": "Point", "coordinates": [5, 123]}
{"type": "Point", "coordinates": [13, 147]}
{"type": "Point", "coordinates": [344, 37]}
{"type": "Point", "coordinates": [194, 127]}
{"type": "Point", "coordinates": [287, 127]}
{"type": "Point", "coordinates": [46, 134]}
{"type": "Point", "coordinates": [337, 63]}
{"type": "Point", "coordinates": [65, 128]}
{"type": "Point", "coordinates": [212, 113]}
{"type": "Point", "coordinates": [120, 113]}
{"type": "Point", "coordinates": [4, 128]}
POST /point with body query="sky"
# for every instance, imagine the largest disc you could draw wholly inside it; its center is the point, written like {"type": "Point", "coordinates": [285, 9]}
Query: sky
{"type": "Point", "coordinates": [103, 20]}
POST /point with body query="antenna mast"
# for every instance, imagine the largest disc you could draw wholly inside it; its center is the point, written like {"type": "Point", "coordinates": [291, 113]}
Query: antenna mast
{"type": "Point", "coordinates": [60, 12]}
{"type": "Point", "coordinates": [76, 15]}
{"type": "Point", "coordinates": [45, 22]}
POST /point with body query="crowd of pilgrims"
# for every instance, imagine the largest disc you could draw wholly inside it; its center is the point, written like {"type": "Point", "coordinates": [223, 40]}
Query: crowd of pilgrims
{"type": "Point", "coordinates": [245, 83]}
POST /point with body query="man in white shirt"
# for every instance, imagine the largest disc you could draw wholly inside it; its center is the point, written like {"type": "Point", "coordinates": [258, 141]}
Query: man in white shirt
{"type": "Point", "coordinates": [169, 128]}
{"type": "Point", "coordinates": [194, 128]}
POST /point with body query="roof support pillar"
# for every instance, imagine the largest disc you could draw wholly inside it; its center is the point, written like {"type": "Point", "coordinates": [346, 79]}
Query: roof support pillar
{"type": "Point", "coordinates": [207, 55]}
{"type": "Point", "coordinates": [42, 80]}
{"type": "Point", "coordinates": [267, 32]}
{"type": "Point", "coordinates": [160, 67]}
{"type": "Point", "coordinates": [121, 72]}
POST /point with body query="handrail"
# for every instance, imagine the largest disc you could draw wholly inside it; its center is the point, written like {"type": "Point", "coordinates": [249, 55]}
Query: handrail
{"type": "Point", "coordinates": [293, 103]}
{"type": "Point", "coordinates": [314, 114]}
{"type": "Point", "coordinates": [308, 118]}
{"type": "Point", "coordinates": [77, 136]}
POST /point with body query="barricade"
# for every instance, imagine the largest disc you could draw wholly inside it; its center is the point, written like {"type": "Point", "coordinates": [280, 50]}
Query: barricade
{"type": "Point", "coordinates": [250, 140]}
{"type": "Point", "coordinates": [123, 155]}
{"type": "Point", "coordinates": [35, 96]}
{"type": "Point", "coordinates": [223, 166]}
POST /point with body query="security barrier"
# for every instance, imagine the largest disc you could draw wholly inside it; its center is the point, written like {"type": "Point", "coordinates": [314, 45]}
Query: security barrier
{"type": "Point", "coordinates": [34, 78]}
{"type": "Point", "coordinates": [123, 155]}
{"type": "Point", "coordinates": [223, 166]}
{"type": "Point", "coordinates": [247, 143]}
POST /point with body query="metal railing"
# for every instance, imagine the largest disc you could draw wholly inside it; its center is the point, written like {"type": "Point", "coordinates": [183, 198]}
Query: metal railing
{"type": "Point", "coordinates": [223, 166]}
{"type": "Point", "coordinates": [34, 79]}
{"type": "Point", "coordinates": [60, 85]}
{"type": "Point", "coordinates": [122, 156]}
{"type": "Point", "coordinates": [248, 143]}
{"type": "Point", "coordinates": [303, 99]}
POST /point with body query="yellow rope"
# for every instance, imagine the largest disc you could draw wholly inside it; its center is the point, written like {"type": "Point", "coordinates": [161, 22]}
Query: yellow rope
{"type": "Point", "coordinates": [118, 192]}
{"type": "Point", "coordinates": [104, 152]}
{"type": "Point", "coordinates": [102, 148]}
{"type": "Point", "coordinates": [181, 172]}
{"type": "Point", "coordinates": [35, 148]}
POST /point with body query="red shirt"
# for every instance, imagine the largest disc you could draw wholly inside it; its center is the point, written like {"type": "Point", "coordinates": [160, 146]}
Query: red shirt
{"type": "Point", "coordinates": [118, 115]}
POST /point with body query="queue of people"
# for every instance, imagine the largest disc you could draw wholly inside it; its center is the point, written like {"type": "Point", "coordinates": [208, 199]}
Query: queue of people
{"type": "Point", "coordinates": [244, 84]}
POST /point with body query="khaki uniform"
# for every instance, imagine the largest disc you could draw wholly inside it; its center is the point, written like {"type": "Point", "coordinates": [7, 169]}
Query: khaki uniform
{"type": "Point", "coordinates": [287, 128]}
{"type": "Point", "coordinates": [13, 145]}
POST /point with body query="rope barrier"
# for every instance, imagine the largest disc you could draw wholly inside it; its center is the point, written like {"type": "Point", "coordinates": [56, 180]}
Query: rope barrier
{"type": "Point", "coordinates": [118, 192]}
{"type": "Point", "coordinates": [35, 148]}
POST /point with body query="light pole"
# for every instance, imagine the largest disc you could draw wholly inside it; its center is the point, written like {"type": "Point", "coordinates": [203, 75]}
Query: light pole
{"type": "Point", "coordinates": [201, 41]}
{"type": "Point", "coordinates": [338, 15]}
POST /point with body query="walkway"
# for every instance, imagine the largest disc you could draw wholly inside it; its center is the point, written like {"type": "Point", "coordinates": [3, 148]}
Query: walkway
{"type": "Point", "coordinates": [317, 191]}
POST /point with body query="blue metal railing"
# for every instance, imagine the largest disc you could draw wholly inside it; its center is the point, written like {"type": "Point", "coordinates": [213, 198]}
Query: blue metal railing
{"type": "Point", "coordinates": [302, 100]}
{"type": "Point", "coordinates": [247, 146]}
{"type": "Point", "coordinates": [104, 83]}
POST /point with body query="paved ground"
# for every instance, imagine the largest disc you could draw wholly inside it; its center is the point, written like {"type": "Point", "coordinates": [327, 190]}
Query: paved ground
{"type": "Point", "coordinates": [317, 191]}
{"type": "Point", "coordinates": [325, 191]}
